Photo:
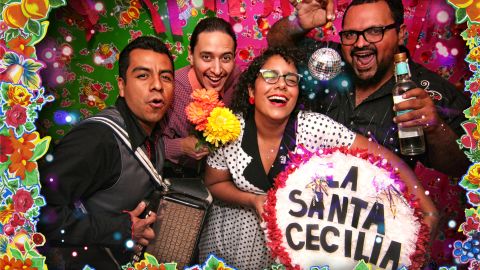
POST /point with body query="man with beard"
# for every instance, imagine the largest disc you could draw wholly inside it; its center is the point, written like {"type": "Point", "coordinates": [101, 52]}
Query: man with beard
{"type": "Point", "coordinates": [361, 97]}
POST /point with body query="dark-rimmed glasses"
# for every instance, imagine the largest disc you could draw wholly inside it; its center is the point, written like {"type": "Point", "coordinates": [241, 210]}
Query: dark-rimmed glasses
{"type": "Point", "coordinates": [272, 76]}
{"type": "Point", "coordinates": [372, 34]}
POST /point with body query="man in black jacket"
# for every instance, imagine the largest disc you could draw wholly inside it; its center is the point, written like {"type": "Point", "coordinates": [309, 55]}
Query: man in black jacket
{"type": "Point", "coordinates": [94, 186]}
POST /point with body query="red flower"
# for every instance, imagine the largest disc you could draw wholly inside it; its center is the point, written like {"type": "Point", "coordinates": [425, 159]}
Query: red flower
{"type": "Point", "coordinates": [5, 148]}
{"type": "Point", "coordinates": [22, 201]}
{"type": "Point", "coordinates": [474, 86]}
{"type": "Point", "coordinates": [470, 225]}
{"type": "Point", "coordinates": [17, 220]}
{"type": "Point", "coordinates": [38, 239]}
{"type": "Point", "coordinates": [16, 116]}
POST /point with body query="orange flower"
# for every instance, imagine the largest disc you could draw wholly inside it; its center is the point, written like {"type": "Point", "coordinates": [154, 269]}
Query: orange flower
{"type": "Point", "coordinates": [14, 264]}
{"type": "Point", "coordinates": [472, 8]}
{"type": "Point", "coordinates": [205, 96]}
{"type": "Point", "coordinates": [196, 113]}
{"type": "Point", "coordinates": [20, 163]}
{"type": "Point", "coordinates": [25, 143]}
{"type": "Point", "coordinates": [20, 45]}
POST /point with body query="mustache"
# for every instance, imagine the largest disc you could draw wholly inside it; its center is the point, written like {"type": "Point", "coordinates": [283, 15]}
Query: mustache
{"type": "Point", "coordinates": [364, 49]}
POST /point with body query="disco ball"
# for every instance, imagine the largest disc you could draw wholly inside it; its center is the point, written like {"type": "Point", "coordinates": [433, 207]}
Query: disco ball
{"type": "Point", "coordinates": [325, 64]}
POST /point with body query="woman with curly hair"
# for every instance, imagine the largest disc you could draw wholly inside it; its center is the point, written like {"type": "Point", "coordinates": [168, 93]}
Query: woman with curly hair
{"type": "Point", "coordinates": [268, 104]}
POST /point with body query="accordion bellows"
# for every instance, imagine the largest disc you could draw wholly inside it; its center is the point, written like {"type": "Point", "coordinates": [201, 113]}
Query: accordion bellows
{"type": "Point", "coordinates": [183, 212]}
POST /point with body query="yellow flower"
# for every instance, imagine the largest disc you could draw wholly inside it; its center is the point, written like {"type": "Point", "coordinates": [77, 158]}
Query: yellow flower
{"type": "Point", "coordinates": [473, 175]}
{"type": "Point", "coordinates": [18, 94]}
{"type": "Point", "coordinates": [222, 127]}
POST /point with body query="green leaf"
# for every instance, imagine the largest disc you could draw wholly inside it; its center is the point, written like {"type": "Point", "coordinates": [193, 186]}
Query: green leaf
{"type": "Point", "coordinates": [362, 266]}
{"type": "Point", "coordinates": [464, 35]}
{"type": "Point", "coordinates": [31, 178]}
{"type": "Point", "coordinates": [19, 131]}
{"type": "Point", "coordinates": [467, 185]}
{"type": "Point", "coordinates": [11, 58]}
{"type": "Point", "coordinates": [469, 212]}
{"type": "Point", "coordinates": [57, 3]}
{"type": "Point", "coordinates": [13, 184]}
{"type": "Point", "coordinates": [32, 65]}
{"type": "Point", "coordinates": [16, 253]}
{"type": "Point", "coordinates": [460, 15]}
{"type": "Point", "coordinates": [4, 166]}
{"type": "Point", "coordinates": [88, 267]}
{"type": "Point", "coordinates": [43, 31]}
{"type": "Point", "coordinates": [27, 246]}
{"type": "Point", "coordinates": [39, 201]}
{"type": "Point", "coordinates": [212, 263]}
{"type": "Point", "coordinates": [31, 79]}
{"type": "Point", "coordinates": [11, 34]}
{"type": "Point", "coordinates": [4, 132]}
{"type": "Point", "coordinates": [34, 27]}
{"type": "Point", "coordinates": [34, 192]}
{"type": "Point", "coordinates": [170, 266]}
{"type": "Point", "coordinates": [38, 262]}
{"type": "Point", "coordinates": [41, 148]}
{"type": "Point", "coordinates": [29, 127]}
{"type": "Point", "coordinates": [151, 259]}
{"type": "Point", "coordinates": [33, 253]}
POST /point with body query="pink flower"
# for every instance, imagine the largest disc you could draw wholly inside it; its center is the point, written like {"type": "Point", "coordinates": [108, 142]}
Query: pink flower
{"type": "Point", "coordinates": [16, 116]}
{"type": "Point", "coordinates": [22, 201]}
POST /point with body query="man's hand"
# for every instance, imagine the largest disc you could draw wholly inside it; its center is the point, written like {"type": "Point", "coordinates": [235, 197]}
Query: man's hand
{"type": "Point", "coordinates": [188, 148]}
{"type": "Point", "coordinates": [142, 233]}
{"type": "Point", "coordinates": [423, 111]}
{"type": "Point", "coordinates": [313, 13]}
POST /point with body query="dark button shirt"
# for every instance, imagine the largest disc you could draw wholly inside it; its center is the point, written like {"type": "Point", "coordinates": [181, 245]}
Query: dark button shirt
{"type": "Point", "coordinates": [373, 117]}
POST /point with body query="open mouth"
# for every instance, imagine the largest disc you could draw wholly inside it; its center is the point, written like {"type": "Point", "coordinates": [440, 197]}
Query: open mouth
{"type": "Point", "coordinates": [364, 59]}
{"type": "Point", "coordinates": [277, 99]}
{"type": "Point", "coordinates": [156, 102]}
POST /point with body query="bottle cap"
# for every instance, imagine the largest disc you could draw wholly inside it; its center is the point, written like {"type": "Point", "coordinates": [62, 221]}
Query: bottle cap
{"type": "Point", "coordinates": [400, 57]}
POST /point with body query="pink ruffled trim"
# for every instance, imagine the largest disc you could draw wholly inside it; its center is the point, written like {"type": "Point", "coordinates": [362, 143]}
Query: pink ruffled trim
{"type": "Point", "coordinates": [274, 234]}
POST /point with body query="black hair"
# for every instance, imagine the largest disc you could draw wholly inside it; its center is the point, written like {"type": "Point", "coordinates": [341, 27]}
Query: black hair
{"type": "Point", "coordinates": [212, 24]}
{"type": "Point", "coordinates": [395, 6]}
{"type": "Point", "coordinates": [247, 78]}
{"type": "Point", "coordinates": [146, 43]}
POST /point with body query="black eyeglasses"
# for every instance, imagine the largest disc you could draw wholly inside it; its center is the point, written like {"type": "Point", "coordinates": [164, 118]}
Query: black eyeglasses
{"type": "Point", "coordinates": [272, 76]}
{"type": "Point", "coordinates": [372, 34]}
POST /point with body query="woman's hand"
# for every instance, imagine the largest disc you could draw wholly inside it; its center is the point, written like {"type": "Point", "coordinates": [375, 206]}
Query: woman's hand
{"type": "Point", "coordinates": [257, 202]}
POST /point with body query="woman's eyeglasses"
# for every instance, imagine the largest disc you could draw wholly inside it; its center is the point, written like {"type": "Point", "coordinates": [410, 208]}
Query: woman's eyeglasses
{"type": "Point", "coordinates": [272, 76]}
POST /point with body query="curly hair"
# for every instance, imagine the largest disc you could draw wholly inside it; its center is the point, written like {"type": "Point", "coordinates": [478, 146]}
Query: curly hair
{"type": "Point", "coordinates": [247, 78]}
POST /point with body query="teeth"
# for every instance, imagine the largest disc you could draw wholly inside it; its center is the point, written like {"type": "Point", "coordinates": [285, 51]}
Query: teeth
{"type": "Point", "coordinates": [278, 99]}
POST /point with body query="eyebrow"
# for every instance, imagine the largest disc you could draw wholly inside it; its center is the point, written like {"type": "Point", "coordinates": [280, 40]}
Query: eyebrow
{"type": "Point", "coordinates": [140, 68]}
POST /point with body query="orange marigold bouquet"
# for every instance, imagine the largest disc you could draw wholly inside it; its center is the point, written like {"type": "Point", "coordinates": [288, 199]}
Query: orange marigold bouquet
{"type": "Point", "coordinates": [215, 125]}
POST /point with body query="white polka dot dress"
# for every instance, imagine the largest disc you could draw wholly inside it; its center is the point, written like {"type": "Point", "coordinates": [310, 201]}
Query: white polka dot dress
{"type": "Point", "coordinates": [233, 233]}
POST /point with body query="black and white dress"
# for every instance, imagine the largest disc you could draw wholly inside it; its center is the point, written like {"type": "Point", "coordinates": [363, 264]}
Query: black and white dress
{"type": "Point", "coordinates": [233, 232]}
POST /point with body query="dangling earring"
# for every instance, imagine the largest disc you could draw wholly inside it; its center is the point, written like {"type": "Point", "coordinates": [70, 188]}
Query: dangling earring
{"type": "Point", "coordinates": [251, 100]}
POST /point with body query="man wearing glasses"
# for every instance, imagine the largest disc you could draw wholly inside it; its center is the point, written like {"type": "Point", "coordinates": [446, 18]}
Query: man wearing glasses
{"type": "Point", "coordinates": [373, 31]}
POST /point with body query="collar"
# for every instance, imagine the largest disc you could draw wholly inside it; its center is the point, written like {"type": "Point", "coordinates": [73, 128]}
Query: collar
{"type": "Point", "coordinates": [135, 132]}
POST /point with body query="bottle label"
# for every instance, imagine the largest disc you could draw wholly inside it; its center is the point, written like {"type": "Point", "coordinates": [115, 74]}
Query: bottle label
{"type": "Point", "coordinates": [401, 68]}
{"type": "Point", "coordinates": [410, 132]}
{"type": "Point", "coordinates": [397, 99]}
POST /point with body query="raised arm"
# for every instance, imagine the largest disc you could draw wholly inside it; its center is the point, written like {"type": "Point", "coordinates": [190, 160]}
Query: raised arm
{"type": "Point", "coordinates": [310, 14]}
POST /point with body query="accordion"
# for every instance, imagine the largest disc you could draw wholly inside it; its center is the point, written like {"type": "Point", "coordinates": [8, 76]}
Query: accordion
{"type": "Point", "coordinates": [183, 210]}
